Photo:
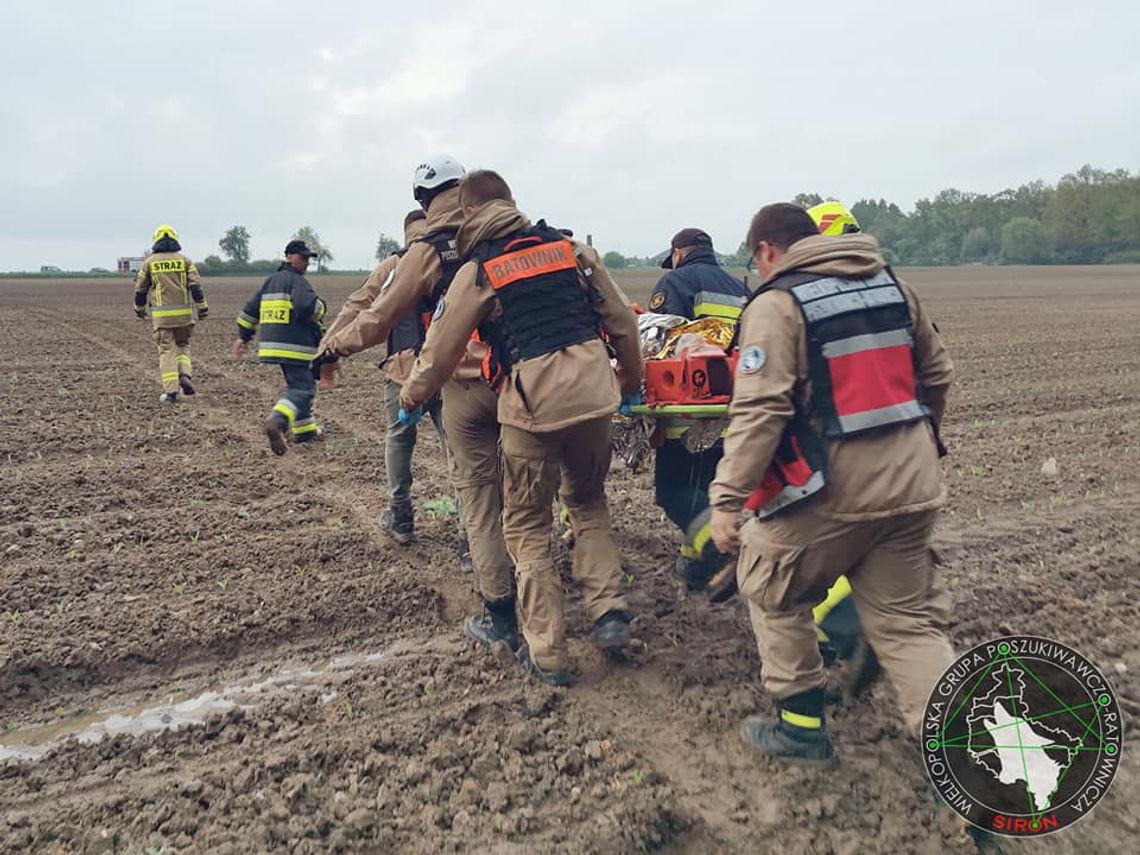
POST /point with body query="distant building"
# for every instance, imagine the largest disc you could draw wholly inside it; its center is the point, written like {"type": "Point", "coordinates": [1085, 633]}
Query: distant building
{"type": "Point", "coordinates": [130, 263]}
{"type": "Point", "coordinates": [49, 268]}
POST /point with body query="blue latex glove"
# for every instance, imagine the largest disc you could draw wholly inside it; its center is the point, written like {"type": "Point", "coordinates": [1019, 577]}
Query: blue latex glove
{"type": "Point", "coordinates": [629, 400]}
{"type": "Point", "coordinates": [411, 418]}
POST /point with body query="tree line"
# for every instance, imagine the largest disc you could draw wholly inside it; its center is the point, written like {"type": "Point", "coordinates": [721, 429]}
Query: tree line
{"type": "Point", "coordinates": [235, 257]}
{"type": "Point", "coordinates": [1091, 216]}
{"type": "Point", "coordinates": [234, 245]}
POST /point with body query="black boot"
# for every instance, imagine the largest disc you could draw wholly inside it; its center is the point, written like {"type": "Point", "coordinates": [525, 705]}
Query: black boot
{"type": "Point", "coordinates": [798, 736]}
{"type": "Point", "coordinates": [558, 677]}
{"type": "Point", "coordinates": [612, 629]}
{"type": "Point", "coordinates": [463, 548]}
{"type": "Point", "coordinates": [722, 587]}
{"type": "Point", "coordinates": [861, 670]}
{"type": "Point", "coordinates": [498, 623]}
{"type": "Point", "coordinates": [276, 429]}
{"type": "Point", "coordinates": [317, 435]}
{"type": "Point", "coordinates": [184, 382]}
{"type": "Point", "coordinates": [400, 522]}
{"type": "Point", "coordinates": [692, 572]}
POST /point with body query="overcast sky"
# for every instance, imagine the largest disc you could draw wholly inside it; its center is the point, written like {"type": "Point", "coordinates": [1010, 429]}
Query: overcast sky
{"type": "Point", "coordinates": [626, 120]}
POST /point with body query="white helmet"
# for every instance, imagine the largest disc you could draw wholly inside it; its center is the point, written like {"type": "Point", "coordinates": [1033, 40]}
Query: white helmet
{"type": "Point", "coordinates": [435, 172]}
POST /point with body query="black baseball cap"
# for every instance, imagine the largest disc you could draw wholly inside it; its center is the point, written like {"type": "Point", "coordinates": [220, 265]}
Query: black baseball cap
{"type": "Point", "coordinates": [298, 247]}
{"type": "Point", "coordinates": [686, 237]}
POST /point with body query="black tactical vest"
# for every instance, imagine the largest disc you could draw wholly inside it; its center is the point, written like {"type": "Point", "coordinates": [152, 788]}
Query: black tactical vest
{"type": "Point", "coordinates": [410, 331]}
{"type": "Point", "coordinates": [545, 306]}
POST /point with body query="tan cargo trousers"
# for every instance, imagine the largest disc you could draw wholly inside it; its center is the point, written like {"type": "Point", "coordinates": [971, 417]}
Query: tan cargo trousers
{"type": "Point", "coordinates": [471, 425]}
{"type": "Point", "coordinates": [173, 355]}
{"type": "Point", "coordinates": [788, 563]}
{"type": "Point", "coordinates": [532, 463]}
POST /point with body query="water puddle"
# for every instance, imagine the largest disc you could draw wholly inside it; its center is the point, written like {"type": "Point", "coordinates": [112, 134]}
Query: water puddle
{"type": "Point", "coordinates": [32, 743]}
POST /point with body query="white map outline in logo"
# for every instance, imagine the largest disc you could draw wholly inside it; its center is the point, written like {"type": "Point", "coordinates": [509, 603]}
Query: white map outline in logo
{"type": "Point", "coordinates": [1005, 723]}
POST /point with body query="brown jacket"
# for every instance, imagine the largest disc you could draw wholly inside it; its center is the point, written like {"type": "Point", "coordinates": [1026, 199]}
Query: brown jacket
{"type": "Point", "coordinates": [415, 277]}
{"type": "Point", "coordinates": [549, 392]}
{"type": "Point", "coordinates": [378, 281]}
{"type": "Point", "coordinates": [880, 474]}
{"type": "Point", "coordinates": [173, 289]}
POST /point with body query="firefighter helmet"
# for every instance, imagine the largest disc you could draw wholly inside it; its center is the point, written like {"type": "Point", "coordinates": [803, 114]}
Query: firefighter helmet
{"type": "Point", "coordinates": [164, 231]}
{"type": "Point", "coordinates": [833, 219]}
{"type": "Point", "coordinates": [435, 172]}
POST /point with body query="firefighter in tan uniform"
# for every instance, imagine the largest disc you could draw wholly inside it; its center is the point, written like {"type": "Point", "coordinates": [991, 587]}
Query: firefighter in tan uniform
{"type": "Point", "coordinates": [169, 287]}
{"type": "Point", "coordinates": [542, 303]}
{"type": "Point", "coordinates": [398, 519]}
{"type": "Point", "coordinates": [833, 450]}
{"type": "Point", "coordinates": [399, 316]}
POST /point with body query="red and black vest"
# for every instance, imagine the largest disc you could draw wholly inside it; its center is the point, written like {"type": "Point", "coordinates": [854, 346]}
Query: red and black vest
{"type": "Point", "coordinates": [863, 370]}
{"type": "Point", "coordinates": [410, 331]}
{"type": "Point", "coordinates": [545, 306]}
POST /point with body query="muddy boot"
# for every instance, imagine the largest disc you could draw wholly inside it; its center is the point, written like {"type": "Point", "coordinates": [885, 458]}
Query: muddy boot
{"type": "Point", "coordinates": [317, 435]}
{"type": "Point", "coordinates": [798, 735]}
{"type": "Point", "coordinates": [400, 522]}
{"type": "Point", "coordinates": [185, 384]}
{"type": "Point", "coordinates": [276, 429]}
{"type": "Point", "coordinates": [722, 587]}
{"type": "Point", "coordinates": [463, 548]}
{"type": "Point", "coordinates": [498, 624]}
{"type": "Point", "coordinates": [612, 630]}
{"type": "Point", "coordinates": [168, 398]}
{"type": "Point", "coordinates": [692, 572]}
{"type": "Point", "coordinates": [862, 669]}
{"type": "Point", "coordinates": [559, 677]}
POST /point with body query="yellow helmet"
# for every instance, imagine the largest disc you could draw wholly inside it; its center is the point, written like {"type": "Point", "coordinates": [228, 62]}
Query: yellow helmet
{"type": "Point", "coordinates": [164, 231]}
{"type": "Point", "coordinates": [833, 219]}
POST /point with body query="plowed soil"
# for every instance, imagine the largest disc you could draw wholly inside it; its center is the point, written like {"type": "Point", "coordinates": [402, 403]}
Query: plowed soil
{"type": "Point", "coordinates": [150, 554]}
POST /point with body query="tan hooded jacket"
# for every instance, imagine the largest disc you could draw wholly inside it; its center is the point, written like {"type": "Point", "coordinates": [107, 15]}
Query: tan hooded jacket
{"type": "Point", "coordinates": [414, 278]}
{"type": "Point", "coordinates": [878, 474]}
{"type": "Point", "coordinates": [549, 392]}
{"type": "Point", "coordinates": [369, 292]}
{"type": "Point", "coordinates": [173, 289]}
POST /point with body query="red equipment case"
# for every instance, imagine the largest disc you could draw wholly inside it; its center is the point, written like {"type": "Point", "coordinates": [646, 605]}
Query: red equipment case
{"type": "Point", "coordinates": [697, 379]}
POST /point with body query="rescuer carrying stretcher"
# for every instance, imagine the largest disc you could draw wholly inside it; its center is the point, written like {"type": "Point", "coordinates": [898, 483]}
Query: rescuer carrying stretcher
{"type": "Point", "coordinates": [400, 315]}
{"type": "Point", "coordinates": [398, 519]}
{"type": "Point", "coordinates": [695, 287]}
{"type": "Point", "coordinates": [701, 564]}
{"type": "Point", "coordinates": [832, 453]}
{"type": "Point", "coordinates": [542, 303]}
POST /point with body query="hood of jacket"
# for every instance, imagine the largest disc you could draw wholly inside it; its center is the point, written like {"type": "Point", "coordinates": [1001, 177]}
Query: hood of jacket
{"type": "Point", "coordinates": [166, 244]}
{"type": "Point", "coordinates": [444, 212]}
{"type": "Point", "coordinates": [853, 256]}
{"type": "Point", "coordinates": [414, 232]}
{"type": "Point", "coordinates": [489, 221]}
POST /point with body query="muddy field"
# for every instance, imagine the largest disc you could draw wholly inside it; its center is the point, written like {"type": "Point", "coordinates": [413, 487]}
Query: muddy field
{"type": "Point", "coordinates": [160, 567]}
